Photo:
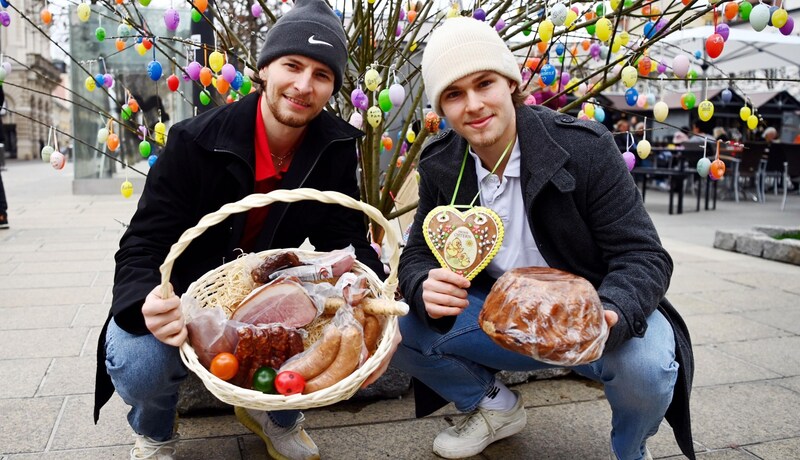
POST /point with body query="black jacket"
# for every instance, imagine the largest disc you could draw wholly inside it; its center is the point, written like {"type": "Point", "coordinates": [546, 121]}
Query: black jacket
{"type": "Point", "coordinates": [209, 161]}
{"type": "Point", "coordinates": [587, 218]}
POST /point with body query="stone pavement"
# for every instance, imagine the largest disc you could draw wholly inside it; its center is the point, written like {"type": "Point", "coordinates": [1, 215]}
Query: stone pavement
{"type": "Point", "coordinates": [56, 271]}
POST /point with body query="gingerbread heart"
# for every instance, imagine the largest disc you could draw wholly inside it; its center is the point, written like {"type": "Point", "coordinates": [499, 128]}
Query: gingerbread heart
{"type": "Point", "coordinates": [463, 242]}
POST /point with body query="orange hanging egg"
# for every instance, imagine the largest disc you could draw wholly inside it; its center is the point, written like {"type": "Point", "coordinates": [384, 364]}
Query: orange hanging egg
{"type": "Point", "coordinates": [205, 76]}
{"type": "Point", "coordinates": [542, 47]}
{"type": "Point", "coordinates": [223, 86]}
{"type": "Point", "coordinates": [120, 44]}
{"type": "Point", "coordinates": [200, 5]}
{"type": "Point", "coordinates": [112, 142]}
{"type": "Point", "coordinates": [717, 169]}
{"type": "Point", "coordinates": [646, 10]}
{"type": "Point", "coordinates": [532, 63]}
{"type": "Point", "coordinates": [133, 104]}
{"type": "Point", "coordinates": [411, 15]}
{"type": "Point", "coordinates": [46, 15]}
{"type": "Point", "coordinates": [585, 44]}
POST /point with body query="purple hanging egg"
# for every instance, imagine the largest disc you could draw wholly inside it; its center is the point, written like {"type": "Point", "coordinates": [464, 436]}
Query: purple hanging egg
{"type": "Point", "coordinates": [788, 27]}
{"type": "Point", "coordinates": [630, 160]}
{"type": "Point", "coordinates": [723, 30]}
{"type": "Point", "coordinates": [256, 10]}
{"type": "Point", "coordinates": [228, 72]}
{"type": "Point", "coordinates": [171, 19]}
{"type": "Point", "coordinates": [359, 99]}
{"type": "Point", "coordinates": [108, 80]}
{"type": "Point", "coordinates": [193, 70]}
{"type": "Point", "coordinates": [5, 19]}
{"type": "Point", "coordinates": [479, 14]}
{"type": "Point", "coordinates": [499, 25]}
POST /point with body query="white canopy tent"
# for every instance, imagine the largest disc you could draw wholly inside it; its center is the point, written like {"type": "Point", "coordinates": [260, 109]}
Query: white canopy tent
{"type": "Point", "coordinates": [744, 50]}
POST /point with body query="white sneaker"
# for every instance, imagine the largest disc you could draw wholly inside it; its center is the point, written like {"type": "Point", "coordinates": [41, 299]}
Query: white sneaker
{"type": "Point", "coordinates": [153, 450]}
{"type": "Point", "coordinates": [471, 435]}
{"type": "Point", "coordinates": [647, 454]}
{"type": "Point", "coordinates": [292, 443]}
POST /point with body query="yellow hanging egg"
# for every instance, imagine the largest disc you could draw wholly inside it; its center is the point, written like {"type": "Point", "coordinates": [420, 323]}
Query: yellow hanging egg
{"type": "Point", "coordinates": [661, 111]}
{"type": "Point", "coordinates": [614, 4]}
{"type": "Point", "coordinates": [546, 28]}
{"type": "Point", "coordinates": [752, 122]}
{"type": "Point", "coordinates": [588, 109]}
{"type": "Point", "coordinates": [140, 49]}
{"type": "Point", "coordinates": [413, 47]}
{"type": "Point", "coordinates": [571, 17]}
{"type": "Point", "coordinates": [624, 37]}
{"type": "Point", "coordinates": [629, 76]}
{"type": "Point", "coordinates": [374, 116]}
{"type": "Point", "coordinates": [779, 18]}
{"type": "Point", "coordinates": [705, 110]}
{"type": "Point", "coordinates": [603, 29]}
{"type": "Point", "coordinates": [372, 79]}
{"type": "Point", "coordinates": [452, 12]}
{"type": "Point", "coordinates": [744, 113]}
{"type": "Point", "coordinates": [411, 136]}
{"type": "Point", "coordinates": [126, 189]}
{"type": "Point", "coordinates": [160, 131]}
{"type": "Point", "coordinates": [84, 11]}
{"type": "Point", "coordinates": [216, 60]}
{"type": "Point", "coordinates": [90, 84]}
{"type": "Point", "coordinates": [616, 45]}
{"type": "Point", "coordinates": [643, 149]}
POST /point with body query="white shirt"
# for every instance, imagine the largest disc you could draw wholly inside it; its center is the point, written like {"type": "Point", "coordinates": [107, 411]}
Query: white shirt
{"type": "Point", "coordinates": [505, 198]}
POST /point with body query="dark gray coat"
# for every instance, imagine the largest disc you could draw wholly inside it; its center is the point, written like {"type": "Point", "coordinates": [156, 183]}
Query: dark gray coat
{"type": "Point", "coordinates": [587, 217]}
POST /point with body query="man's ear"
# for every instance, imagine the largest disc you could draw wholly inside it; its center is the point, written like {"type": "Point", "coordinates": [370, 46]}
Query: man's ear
{"type": "Point", "coordinates": [512, 85]}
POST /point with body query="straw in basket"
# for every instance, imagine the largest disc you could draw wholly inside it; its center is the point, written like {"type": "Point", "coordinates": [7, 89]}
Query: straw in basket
{"type": "Point", "coordinates": [203, 291]}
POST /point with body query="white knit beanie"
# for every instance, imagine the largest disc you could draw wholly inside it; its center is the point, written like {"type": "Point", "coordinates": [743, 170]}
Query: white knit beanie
{"type": "Point", "coordinates": [462, 46]}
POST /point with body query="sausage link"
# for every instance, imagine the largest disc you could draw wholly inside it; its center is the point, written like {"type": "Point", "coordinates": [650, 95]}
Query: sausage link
{"type": "Point", "coordinates": [345, 363]}
{"type": "Point", "coordinates": [319, 357]}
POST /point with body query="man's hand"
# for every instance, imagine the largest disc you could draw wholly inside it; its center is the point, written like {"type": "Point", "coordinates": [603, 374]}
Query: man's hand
{"type": "Point", "coordinates": [385, 363]}
{"type": "Point", "coordinates": [164, 318]}
{"type": "Point", "coordinates": [611, 317]}
{"type": "Point", "coordinates": [444, 293]}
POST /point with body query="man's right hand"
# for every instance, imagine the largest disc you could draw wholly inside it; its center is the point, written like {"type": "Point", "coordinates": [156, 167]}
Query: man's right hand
{"type": "Point", "coordinates": [164, 318]}
{"type": "Point", "coordinates": [444, 293]}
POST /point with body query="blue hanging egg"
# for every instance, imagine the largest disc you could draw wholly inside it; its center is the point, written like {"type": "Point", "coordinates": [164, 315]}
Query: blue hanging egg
{"type": "Point", "coordinates": [599, 114]}
{"type": "Point", "coordinates": [154, 70]}
{"type": "Point", "coordinates": [151, 160]}
{"type": "Point", "coordinates": [631, 96]}
{"type": "Point", "coordinates": [649, 29]}
{"type": "Point", "coordinates": [548, 74]}
{"type": "Point", "coordinates": [698, 54]}
{"type": "Point", "coordinates": [560, 49]}
{"type": "Point", "coordinates": [726, 95]}
{"type": "Point", "coordinates": [237, 81]}
{"type": "Point", "coordinates": [100, 79]}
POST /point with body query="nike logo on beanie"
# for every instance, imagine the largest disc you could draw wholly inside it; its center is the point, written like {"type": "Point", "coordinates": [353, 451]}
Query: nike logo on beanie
{"type": "Point", "coordinates": [314, 41]}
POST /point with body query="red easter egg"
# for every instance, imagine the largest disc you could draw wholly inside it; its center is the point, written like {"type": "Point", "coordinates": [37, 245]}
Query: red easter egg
{"type": "Point", "coordinates": [173, 82]}
{"type": "Point", "coordinates": [714, 45]}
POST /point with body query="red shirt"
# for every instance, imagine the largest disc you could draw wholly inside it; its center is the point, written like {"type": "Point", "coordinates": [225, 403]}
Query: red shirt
{"type": "Point", "coordinates": [267, 179]}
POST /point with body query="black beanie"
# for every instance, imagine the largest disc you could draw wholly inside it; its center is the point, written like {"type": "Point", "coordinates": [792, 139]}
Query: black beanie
{"type": "Point", "coordinates": [309, 29]}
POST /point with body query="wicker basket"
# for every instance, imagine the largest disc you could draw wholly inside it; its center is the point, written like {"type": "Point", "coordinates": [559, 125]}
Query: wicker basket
{"type": "Point", "coordinates": [202, 287]}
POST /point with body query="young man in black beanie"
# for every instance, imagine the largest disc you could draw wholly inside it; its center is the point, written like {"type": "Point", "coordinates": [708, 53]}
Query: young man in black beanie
{"type": "Point", "coordinates": [277, 138]}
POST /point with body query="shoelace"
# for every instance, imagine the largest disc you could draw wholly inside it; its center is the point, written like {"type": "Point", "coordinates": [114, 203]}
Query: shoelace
{"type": "Point", "coordinates": [470, 422]}
{"type": "Point", "coordinates": [153, 448]}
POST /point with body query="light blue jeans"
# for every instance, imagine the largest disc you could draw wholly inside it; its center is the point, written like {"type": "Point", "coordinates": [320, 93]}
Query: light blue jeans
{"type": "Point", "coordinates": [638, 377]}
{"type": "Point", "coordinates": [147, 375]}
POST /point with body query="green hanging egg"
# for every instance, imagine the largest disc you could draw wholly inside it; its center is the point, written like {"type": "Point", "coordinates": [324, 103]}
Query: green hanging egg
{"type": "Point", "coordinates": [205, 98]}
{"type": "Point", "coordinates": [600, 10]}
{"type": "Point", "coordinates": [100, 34]}
{"type": "Point", "coordinates": [383, 100]}
{"type": "Point", "coordinates": [247, 85]}
{"type": "Point", "coordinates": [526, 31]}
{"type": "Point", "coordinates": [144, 149]}
{"type": "Point", "coordinates": [126, 112]}
{"type": "Point", "coordinates": [744, 10]}
{"type": "Point", "coordinates": [196, 15]}
{"type": "Point", "coordinates": [144, 2]}
{"type": "Point", "coordinates": [591, 28]}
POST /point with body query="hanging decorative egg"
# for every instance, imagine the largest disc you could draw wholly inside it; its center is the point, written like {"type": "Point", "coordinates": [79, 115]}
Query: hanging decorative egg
{"type": "Point", "coordinates": [411, 136]}
{"type": "Point", "coordinates": [599, 114]}
{"type": "Point", "coordinates": [205, 97]}
{"type": "Point", "coordinates": [359, 99]}
{"type": "Point", "coordinates": [432, 122]}
{"type": "Point", "coordinates": [356, 120]}
{"type": "Point", "coordinates": [90, 84]}
{"type": "Point", "coordinates": [629, 76]}
{"type": "Point", "coordinates": [788, 27]}
{"type": "Point", "coordinates": [144, 149]}
{"type": "Point", "coordinates": [200, 5]}
{"type": "Point", "coordinates": [641, 101]}
{"type": "Point", "coordinates": [47, 150]}
{"type": "Point", "coordinates": [374, 116]}
{"type": "Point", "coordinates": [256, 10]}
{"type": "Point", "coordinates": [412, 15]}
{"type": "Point", "coordinates": [643, 149]}
{"type": "Point", "coordinates": [205, 76]}
{"type": "Point", "coordinates": [108, 80]}
{"type": "Point", "coordinates": [5, 18]}
{"type": "Point", "coordinates": [645, 66]}
{"type": "Point", "coordinates": [688, 100]}
{"type": "Point", "coordinates": [144, 2]}
{"type": "Point", "coordinates": [228, 72]}
{"type": "Point", "coordinates": [100, 34]}
{"type": "Point", "coordinates": [726, 96]}
{"type": "Point", "coordinates": [744, 113]}
{"type": "Point", "coordinates": [478, 14]}
{"type": "Point", "coordinates": [125, 112]}
{"type": "Point", "coordinates": [779, 18]}
{"type": "Point", "coordinates": [173, 82]}
{"type": "Point", "coordinates": [216, 60]}
{"type": "Point", "coordinates": [572, 15]}
{"type": "Point", "coordinates": [151, 160]}
{"type": "Point", "coordinates": [717, 169]}
{"type": "Point", "coordinates": [624, 37]}
{"type": "Point", "coordinates": [247, 85]}
{"type": "Point", "coordinates": [387, 142]}
{"type": "Point", "coordinates": [603, 29]}
{"type": "Point", "coordinates": [661, 111]}
{"type": "Point", "coordinates": [196, 16]}
{"type": "Point", "coordinates": [126, 189]}
{"type": "Point", "coordinates": [58, 161]}
{"type": "Point", "coordinates": [759, 17]}
{"type": "Point", "coordinates": [46, 16]}
{"type": "Point", "coordinates": [102, 135]}
{"type": "Point", "coordinates": [731, 10]}
{"type": "Point", "coordinates": [84, 11]}
{"type": "Point", "coordinates": [548, 74]}
{"type": "Point", "coordinates": [383, 100]}
{"type": "Point", "coordinates": [222, 85]}
{"type": "Point", "coordinates": [630, 160]}
{"type": "Point", "coordinates": [372, 79]}
{"type": "Point", "coordinates": [723, 30]}
{"type": "Point", "coordinates": [172, 19]}
{"type": "Point", "coordinates": [193, 70]}
{"type": "Point", "coordinates": [752, 122]}
{"type": "Point", "coordinates": [120, 44]}
{"type": "Point", "coordinates": [705, 110]}
{"type": "Point", "coordinates": [154, 70]}
{"type": "Point", "coordinates": [397, 94]}
{"type": "Point", "coordinates": [680, 65]}
{"type": "Point", "coordinates": [558, 14]}
{"type": "Point", "coordinates": [546, 28]}
{"type": "Point", "coordinates": [714, 45]}
{"type": "Point", "coordinates": [238, 79]}
{"type": "Point", "coordinates": [160, 133]}
{"type": "Point", "coordinates": [112, 142]}
{"type": "Point", "coordinates": [588, 109]}
{"type": "Point", "coordinates": [631, 96]}
{"type": "Point", "coordinates": [703, 166]}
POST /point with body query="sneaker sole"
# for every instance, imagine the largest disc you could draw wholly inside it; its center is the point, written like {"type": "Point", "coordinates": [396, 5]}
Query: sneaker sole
{"type": "Point", "coordinates": [506, 431]}
{"type": "Point", "coordinates": [251, 424]}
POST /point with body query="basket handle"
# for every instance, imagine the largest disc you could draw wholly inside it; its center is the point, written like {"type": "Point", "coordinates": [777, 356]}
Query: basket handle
{"type": "Point", "coordinates": [258, 200]}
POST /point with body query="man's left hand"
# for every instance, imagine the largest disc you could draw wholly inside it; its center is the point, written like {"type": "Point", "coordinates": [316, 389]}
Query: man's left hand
{"type": "Point", "coordinates": [385, 363]}
{"type": "Point", "coordinates": [611, 317]}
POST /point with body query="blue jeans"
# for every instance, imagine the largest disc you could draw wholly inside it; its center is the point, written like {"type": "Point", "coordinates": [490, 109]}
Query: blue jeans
{"type": "Point", "coordinates": [147, 375]}
{"type": "Point", "coordinates": [638, 377]}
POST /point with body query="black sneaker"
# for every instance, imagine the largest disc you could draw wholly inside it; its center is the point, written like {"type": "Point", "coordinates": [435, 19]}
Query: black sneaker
{"type": "Point", "coordinates": [3, 220]}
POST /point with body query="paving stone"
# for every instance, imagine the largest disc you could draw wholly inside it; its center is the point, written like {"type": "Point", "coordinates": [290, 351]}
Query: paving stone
{"type": "Point", "coordinates": [773, 280]}
{"type": "Point", "coordinates": [746, 300]}
{"type": "Point", "coordinates": [778, 354]}
{"type": "Point", "coordinates": [686, 279]}
{"type": "Point", "coordinates": [727, 327]}
{"type": "Point", "coordinates": [784, 448]}
{"type": "Point", "coordinates": [41, 343]}
{"type": "Point", "coordinates": [49, 297]}
{"type": "Point", "coordinates": [21, 377]}
{"type": "Point", "coordinates": [743, 414]}
{"type": "Point", "coordinates": [102, 453]}
{"type": "Point", "coordinates": [63, 256]}
{"type": "Point", "coordinates": [69, 376]}
{"type": "Point", "coordinates": [76, 429]}
{"type": "Point", "coordinates": [792, 383]}
{"type": "Point", "coordinates": [49, 281]}
{"type": "Point", "coordinates": [91, 315]}
{"type": "Point", "coordinates": [33, 417]}
{"type": "Point", "coordinates": [726, 454]}
{"type": "Point", "coordinates": [41, 268]}
{"type": "Point", "coordinates": [713, 367]}
{"type": "Point", "coordinates": [37, 317]}
{"type": "Point", "coordinates": [785, 319]}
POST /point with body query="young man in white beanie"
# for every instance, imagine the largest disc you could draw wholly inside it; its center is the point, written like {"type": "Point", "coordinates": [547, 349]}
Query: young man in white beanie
{"type": "Point", "coordinates": [277, 138]}
{"type": "Point", "coordinates": [567, 201]}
